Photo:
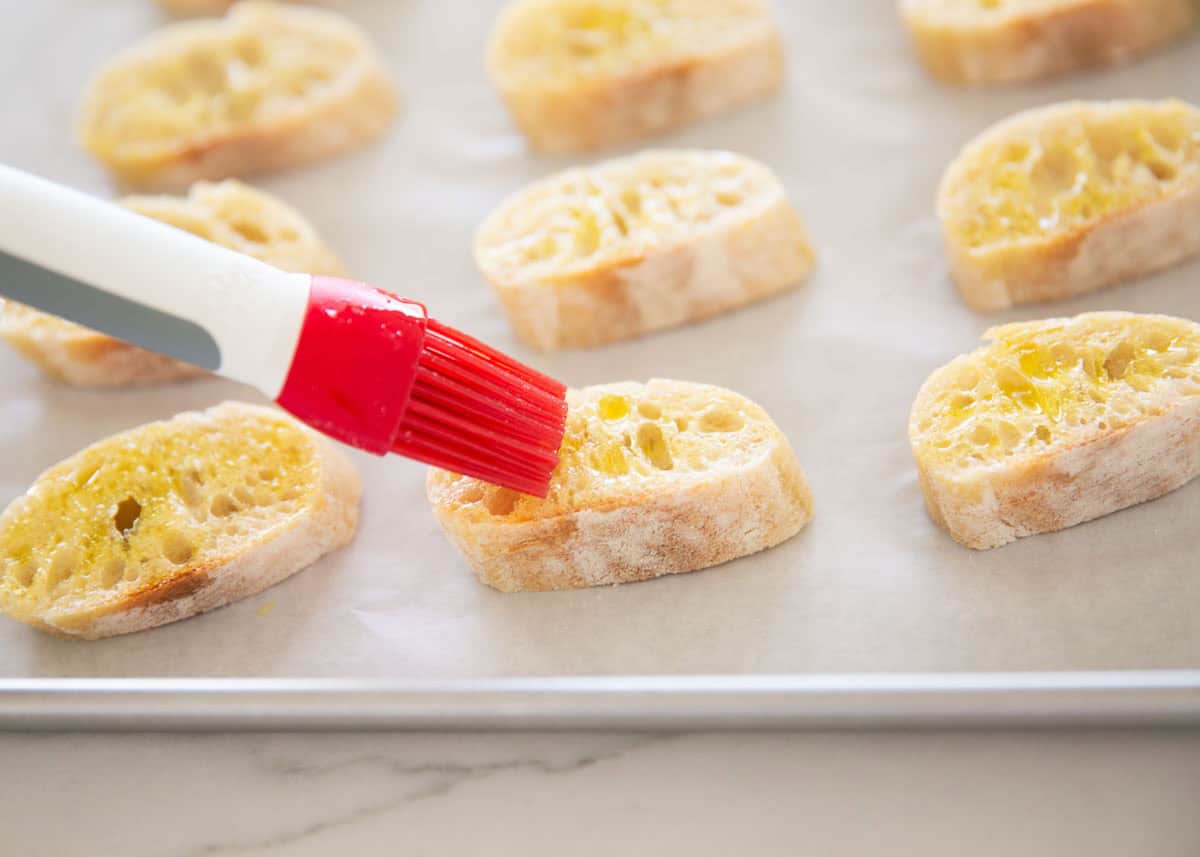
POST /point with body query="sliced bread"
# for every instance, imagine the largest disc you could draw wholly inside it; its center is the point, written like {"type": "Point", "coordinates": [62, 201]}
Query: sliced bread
{"type": "Point", "coordinates": [1010, 41]}
{"type": "Point", "coordinates": [1071, 198]}
{"type": "Point", "coordinates": [1057, 422]}
{"type": "Point", "coordinates": [230, 214]}
{"type": "Point", "coordinates": [267, 87]}
{"type": "Point", "coordinates": [654, 479]}
{"type": "Point", "coordinates": [586, 74]}
{"type": "Point", "coordinates": [216, 7]}
{"type": "Point", "coordinates": [597, 254]}
{"type": "Point", "coordinates": [196, 7]}
{"type": "Point", "coordinates": [172, 519]}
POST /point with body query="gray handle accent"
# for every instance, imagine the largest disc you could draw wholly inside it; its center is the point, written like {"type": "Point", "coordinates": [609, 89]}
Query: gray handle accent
{"type": "Point", "coordinates": [127, 320]}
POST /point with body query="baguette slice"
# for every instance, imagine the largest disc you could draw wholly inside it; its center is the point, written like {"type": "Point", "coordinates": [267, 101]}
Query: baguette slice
{"type": "Point", "coordinates": [586, 74]}
{"type": "Point", "coordinates": [230, 214]}
{"type": "Point", "coordinates": [1057, 422]}
{"type": "Point", "coordinates": [196, 7]}
{"type": "Point", "coordinates": [654, 479]}
{"type": "Point", "coordinates": [213, 7]}
{"type": "Point", "coordinates": [1011, 41]}
{"type": "Point", "coordinates": [172, 519]}
{"type": "Point", "coordinates": [1071, 198]}
{"type": "Point", "coordinates": [265, 88]}
{"type": "Point", "coordinates": [603, 253]}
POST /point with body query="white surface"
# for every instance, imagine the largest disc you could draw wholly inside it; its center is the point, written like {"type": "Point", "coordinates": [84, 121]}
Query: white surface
{"type": "Point", "coordinates": [1034, 795]}
{"type": "Point", "coordinates": [115, 250]}
{"type": "Point", "coordinates": [859, 137]}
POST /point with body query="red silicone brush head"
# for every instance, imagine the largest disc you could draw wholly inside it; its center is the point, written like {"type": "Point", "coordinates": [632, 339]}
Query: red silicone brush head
{"type": "Point", "coordinates": [374, 371]}
{"type": "Point", "coordinates": [480, 413]}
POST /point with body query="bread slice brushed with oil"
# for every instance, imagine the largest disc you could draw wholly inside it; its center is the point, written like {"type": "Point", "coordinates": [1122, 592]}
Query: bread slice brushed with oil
{"type": "Point", "coordinates": [1011, 41]}
{"type": "Point", "coordinates": [1071, 198]}
{"type": "Point", "coordinates": [228, 213]}
{"type": "Point", "coordinates": [632, 245]}
{"type": "Point", "coordinates": [172, 519]}
{"type": "Point", "coordinates": [588, 74]}
{"type": "Point", "coordinates": [654, 479]}
{"type": "Point", "coordinates": [1056, 422]}
{"type": "Point", "coordinates": [218, 7]}
{"type": "Point", "coordinates": [196, 7]}
{"type": "Point", "coordinates": [265, 88]}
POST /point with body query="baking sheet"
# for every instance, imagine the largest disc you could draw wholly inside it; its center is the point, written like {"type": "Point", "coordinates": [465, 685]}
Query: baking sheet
{"type": "Point", "coordinates": [860, 137]}
{"type": "Point", "coordinates": [636, 703]}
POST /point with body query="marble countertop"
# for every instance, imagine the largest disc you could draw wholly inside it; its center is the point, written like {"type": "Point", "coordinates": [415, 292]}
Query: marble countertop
{"type": "Point", "coordinates": [1095, 793]}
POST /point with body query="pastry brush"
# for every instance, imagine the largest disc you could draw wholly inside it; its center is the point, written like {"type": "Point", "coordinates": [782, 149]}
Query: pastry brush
{"type": "Point", "coordinates": [357, 363]}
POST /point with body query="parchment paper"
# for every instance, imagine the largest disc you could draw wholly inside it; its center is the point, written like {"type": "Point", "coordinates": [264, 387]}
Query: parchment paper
{"type": "Point", "coordinates": [860, 137]}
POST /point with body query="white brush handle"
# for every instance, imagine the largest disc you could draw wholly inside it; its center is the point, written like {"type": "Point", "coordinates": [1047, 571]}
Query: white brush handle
{"type": "Point", "coordinates": [253, 311]}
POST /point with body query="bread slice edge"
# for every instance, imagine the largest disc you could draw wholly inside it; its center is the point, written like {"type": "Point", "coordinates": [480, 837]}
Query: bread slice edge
{"type": "Point", "coordinates": [986, 507]}
{"type": "Point", "coordinates": [327, 525]}
{"type": "Point", "coordinates": [671, 531]}
{"type": "Point", "coordinates": [1033, 45]}
{"type": "Point", "coordinates": [337, 121]}
{"type": "Point", "coordinates": [714, 271]}
{"type": "Point", "coordinates": [602, 113]}
{"type": "Point", "coordinates": [1121, 247]}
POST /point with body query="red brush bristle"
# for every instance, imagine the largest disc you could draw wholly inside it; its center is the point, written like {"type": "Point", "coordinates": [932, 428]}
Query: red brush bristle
{"type": "Point", "coordinates": [478, 412]}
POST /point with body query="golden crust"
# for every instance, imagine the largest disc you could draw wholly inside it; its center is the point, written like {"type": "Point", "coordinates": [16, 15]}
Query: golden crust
{"type": "Point", "coordinates": [341, 108]}
{"type": "Point", "coordinates": [1131, 454]}
{"type": "Point", "coordinates": [196, 7]}
{"type": "Point", "coordinates": [211, 7]}
{"type": "Point", "coordinates": [228, 213]}
{"type": "Point", "coordinates": [565, 113]}
{"type": "Point", "coordinates": [642, 278]}
{"type": "Point", "coordinates": [241, 562]}
{"type": "Point", "coordinates": [961, 43]}
{"type": "Point", "coordinates": [1141, 236]}
{"type": "Point", "coordinates": [666, 522]}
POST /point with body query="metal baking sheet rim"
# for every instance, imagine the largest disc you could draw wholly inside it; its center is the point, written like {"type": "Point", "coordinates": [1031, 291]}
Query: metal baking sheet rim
{"type": "Point", "coordinates": [640, 703]}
